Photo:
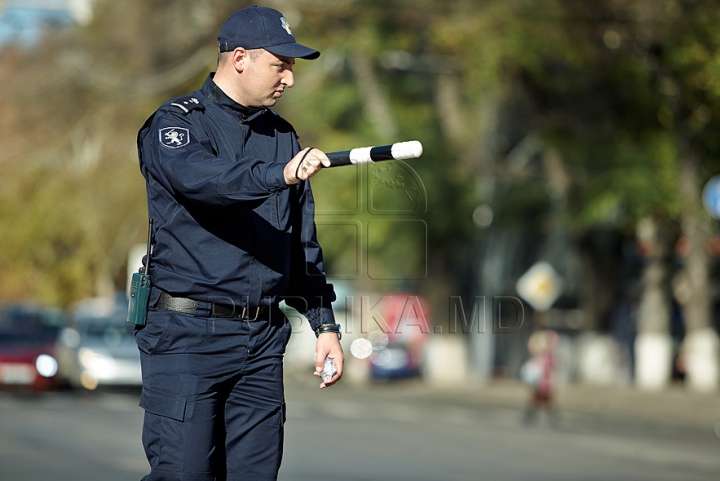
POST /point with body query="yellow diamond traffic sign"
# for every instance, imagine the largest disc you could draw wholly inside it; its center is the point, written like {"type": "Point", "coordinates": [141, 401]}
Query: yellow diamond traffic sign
{"type": "Point", "coordinates": [540, 286]}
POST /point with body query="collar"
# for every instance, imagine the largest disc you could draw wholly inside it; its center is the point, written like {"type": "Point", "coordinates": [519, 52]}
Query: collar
{"type": "Point", "coordinates": [220, 98]}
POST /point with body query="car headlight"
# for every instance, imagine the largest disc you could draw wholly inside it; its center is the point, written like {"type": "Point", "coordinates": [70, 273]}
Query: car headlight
{"type": "Point", "coordinates": [89, 358]}
{"type": "Point", "coordinates": [46, 365]}
{"type": "Point", "coordinates": [95, 362]}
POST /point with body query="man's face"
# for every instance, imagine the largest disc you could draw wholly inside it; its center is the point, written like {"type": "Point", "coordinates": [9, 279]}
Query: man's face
{"type": "Point", "coordinates": [264, 79]}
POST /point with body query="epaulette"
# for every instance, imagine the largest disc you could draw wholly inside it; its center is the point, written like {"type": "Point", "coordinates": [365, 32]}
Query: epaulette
{"type": "Point", "coordinates": [187, 103]}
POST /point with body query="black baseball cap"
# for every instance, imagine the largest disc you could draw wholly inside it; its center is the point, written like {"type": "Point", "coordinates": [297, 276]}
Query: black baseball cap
{"type": "Point", "coordinates": [262, 27]}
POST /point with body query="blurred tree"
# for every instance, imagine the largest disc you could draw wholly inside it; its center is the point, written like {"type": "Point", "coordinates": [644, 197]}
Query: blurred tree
{"type": "Point", "coordinates": [616, 114]}
{"type": "Point", "coordinates": [373, 85]}
{"type": "Point", "coordinates": [72, 200]}
{"type": "Point", "coordinates": [569, 124]}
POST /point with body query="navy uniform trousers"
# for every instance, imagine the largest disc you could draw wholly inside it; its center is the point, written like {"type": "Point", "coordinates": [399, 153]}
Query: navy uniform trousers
{"type": "Point", "coordinates": [213, 396]}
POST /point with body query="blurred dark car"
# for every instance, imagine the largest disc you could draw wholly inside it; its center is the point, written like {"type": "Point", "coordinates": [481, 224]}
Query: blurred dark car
{"type": "Point", "coordinates": [98, 348]}
{"type": "Point", "coordinates": [28, 342]}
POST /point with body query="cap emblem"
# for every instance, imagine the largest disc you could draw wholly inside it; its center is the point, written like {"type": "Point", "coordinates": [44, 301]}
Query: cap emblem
{"type": "Point", "coordinates": [285, 25]}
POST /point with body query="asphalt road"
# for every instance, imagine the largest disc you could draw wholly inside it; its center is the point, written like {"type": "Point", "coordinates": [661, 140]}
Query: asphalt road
{"type": "Point", "coordinates": [378, 433]}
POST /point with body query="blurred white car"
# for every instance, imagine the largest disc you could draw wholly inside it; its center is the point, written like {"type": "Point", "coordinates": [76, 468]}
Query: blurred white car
{"type": "Point", "coordinates": [99, 348]}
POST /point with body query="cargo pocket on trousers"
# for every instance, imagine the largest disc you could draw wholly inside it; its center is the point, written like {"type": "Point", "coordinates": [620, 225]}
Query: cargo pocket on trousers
{"type": "Point", "coordinates": [162, 404]}
{"type": "Point", "coordinates": [163, 429]}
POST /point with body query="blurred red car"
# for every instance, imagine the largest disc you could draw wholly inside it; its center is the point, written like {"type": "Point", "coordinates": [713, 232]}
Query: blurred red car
{"type": "Point", "coordinates": [399, 342]}
{"type": "Point", "coordinates": [28, 338]}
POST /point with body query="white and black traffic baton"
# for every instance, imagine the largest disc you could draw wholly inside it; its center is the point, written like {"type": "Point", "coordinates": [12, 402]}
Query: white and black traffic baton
{"type": "Point", "coordinates": [364, 155]}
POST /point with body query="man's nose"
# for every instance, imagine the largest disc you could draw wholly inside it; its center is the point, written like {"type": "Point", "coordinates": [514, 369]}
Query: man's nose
{"type": "Point", "coordinates": [289, 79]}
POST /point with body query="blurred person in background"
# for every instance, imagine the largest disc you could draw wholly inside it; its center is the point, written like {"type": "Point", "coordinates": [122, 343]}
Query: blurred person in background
{"type": "Point", "coordinates": [233, 234]}
{"type": "Point", "coordinates": [538, 372]}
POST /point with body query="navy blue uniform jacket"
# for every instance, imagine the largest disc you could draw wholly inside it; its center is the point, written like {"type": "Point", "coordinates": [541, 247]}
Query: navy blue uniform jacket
{"type": "Point", "coordinates": [227, 228]}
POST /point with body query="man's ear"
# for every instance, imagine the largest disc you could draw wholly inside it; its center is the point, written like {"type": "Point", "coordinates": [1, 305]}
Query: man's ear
{"type": "Point", "coordinates": [239, 58]}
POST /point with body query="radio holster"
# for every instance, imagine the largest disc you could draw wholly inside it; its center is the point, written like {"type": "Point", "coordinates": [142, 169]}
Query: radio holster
{"type": "Point", "coordinates": [140, 287]}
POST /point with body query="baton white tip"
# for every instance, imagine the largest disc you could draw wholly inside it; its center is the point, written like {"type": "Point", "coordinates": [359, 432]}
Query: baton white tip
{"type": "Point", "coordinates": [407, 150]}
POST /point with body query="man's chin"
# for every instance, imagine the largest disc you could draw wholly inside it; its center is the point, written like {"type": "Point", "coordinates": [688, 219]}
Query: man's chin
{"type": "Point", "coordinates": [263, 105]}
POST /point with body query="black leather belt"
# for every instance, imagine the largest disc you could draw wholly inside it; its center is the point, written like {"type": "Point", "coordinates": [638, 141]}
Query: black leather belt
{"type": "Point", "coordinates": [187, 306]}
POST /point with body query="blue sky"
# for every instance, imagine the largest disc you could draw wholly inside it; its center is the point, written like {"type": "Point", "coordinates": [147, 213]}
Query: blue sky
{"type": "Point", "coordinates": [22, 24]}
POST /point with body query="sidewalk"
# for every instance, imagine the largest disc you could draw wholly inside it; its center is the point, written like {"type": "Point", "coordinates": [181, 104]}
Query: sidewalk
{"type": "Point", "coordinates": [672, 406]}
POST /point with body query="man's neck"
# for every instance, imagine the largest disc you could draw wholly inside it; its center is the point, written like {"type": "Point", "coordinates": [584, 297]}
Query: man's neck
{"type": "Point", "coordinates": [224, 81]}
{"type": "Point", "coordinates": [245, 110]}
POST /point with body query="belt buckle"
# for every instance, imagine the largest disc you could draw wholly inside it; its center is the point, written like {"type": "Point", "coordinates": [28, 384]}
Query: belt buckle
{"type": "Point", "coordinates": [246, 310]}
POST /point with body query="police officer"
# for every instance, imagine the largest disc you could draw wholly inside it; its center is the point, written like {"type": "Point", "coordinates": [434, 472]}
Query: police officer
{"type": "Point", "coordinates": [234, 234]}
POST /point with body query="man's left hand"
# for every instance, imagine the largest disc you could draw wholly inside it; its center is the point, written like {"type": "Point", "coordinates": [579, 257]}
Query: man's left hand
{"type": "Point", "coordinates": [328, 345]}
{"type": "Point", "coordinates": [304, 165]}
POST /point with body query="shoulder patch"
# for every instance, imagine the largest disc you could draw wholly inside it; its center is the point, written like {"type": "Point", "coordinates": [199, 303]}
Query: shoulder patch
{"type": "Point", "coordinates": [186, 104]}
{"type": "Point", "coordinates": [174, 137]}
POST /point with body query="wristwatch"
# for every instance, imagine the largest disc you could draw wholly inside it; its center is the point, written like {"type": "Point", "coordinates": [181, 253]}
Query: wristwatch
{"type": "Point", "coordinates": [329, 328]}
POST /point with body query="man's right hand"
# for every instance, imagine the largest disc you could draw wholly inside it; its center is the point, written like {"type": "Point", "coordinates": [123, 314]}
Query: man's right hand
{"type": "Point", "coordinates": [304, 165]}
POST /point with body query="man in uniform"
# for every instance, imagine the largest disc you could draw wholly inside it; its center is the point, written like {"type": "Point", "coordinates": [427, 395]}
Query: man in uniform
{"type": "Point", "coordinates": [233, 235]}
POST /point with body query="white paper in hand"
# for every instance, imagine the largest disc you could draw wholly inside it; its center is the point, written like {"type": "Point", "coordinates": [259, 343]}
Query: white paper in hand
{"type": "Point", "coordinates": [328, 370]}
